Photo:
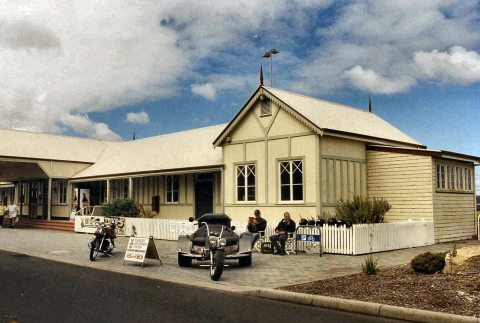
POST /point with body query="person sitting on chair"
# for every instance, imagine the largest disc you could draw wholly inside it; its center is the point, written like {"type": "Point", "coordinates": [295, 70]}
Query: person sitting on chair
{"type": "Point", "coordinates": [282, 230]}
{"type": "Point", "coordinates": [255, 225]}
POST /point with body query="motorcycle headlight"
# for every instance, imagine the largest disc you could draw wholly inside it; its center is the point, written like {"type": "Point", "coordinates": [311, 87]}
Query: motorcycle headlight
{"type": "Point", "coordinates": [212, 240]}
{"type": "Point", "coordinates": [222, 242]}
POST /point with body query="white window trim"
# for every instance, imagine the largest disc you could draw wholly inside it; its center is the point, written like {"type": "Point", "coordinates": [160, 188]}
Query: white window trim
{"type": "Point", "coordinates": [254, 163]}
{"type": "Point", "coordinates": [279, 181]}
{"type": "Point", "coordinates": [454, 187]}
{"type": "Point", "coordinates": [57, 202]}
{"type": "Point", "coordinates": [166, 191]}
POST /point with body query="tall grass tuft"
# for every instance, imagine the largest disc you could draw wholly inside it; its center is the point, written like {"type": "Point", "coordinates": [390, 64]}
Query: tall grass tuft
{"type": "Point", "coordinates": [371, 266]}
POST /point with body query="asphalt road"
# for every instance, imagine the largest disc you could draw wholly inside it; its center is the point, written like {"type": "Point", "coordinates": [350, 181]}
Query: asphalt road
{"type": "Point", "coordinates": [38, 290]}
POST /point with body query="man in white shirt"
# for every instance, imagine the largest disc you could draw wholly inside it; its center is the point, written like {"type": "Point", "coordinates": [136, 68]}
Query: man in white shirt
{"type": "Point", "coordinates": [12, 213]}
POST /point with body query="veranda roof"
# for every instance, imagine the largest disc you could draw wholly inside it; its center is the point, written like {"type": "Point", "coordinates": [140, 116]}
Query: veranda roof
{"type": "Point", "coordinates": [190, 149]}
{"type": "Point", "coordinates": [32, 145]}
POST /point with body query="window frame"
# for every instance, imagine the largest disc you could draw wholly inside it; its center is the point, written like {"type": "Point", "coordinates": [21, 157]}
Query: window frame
{"type": "Point", "coordinates": [167, 192]}
{"type": "Point", "coordinates": [246, 164]}
{"type": "Point", "coordinates": [62, 192]}
{"type": "Point", "coordinates": [103, 191]}
{"type": "Point", "coordinates": [56, 184]}
{"type": "Point", "coordinates": [458, 178]}
{"type": "Point", "coordinates": [441, 176]}
{"type": "Point", "coordinates": [126, 188]}
{"type": "Point", "coordinates": [290, 160]}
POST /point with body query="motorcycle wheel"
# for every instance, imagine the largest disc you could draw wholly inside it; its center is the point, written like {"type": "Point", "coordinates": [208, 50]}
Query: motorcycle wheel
{"type": "Point", "coordinates": [184, 261]}
{"type": "Point", "coordinates": [216, 268]}
{"type": "Point", "coordinates": [94, 249]}
{"type": "Point", "coordinates": [90, 241]}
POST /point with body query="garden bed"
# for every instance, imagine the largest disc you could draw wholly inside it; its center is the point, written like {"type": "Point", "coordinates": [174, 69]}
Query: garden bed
{"type": "Point", "coordinates": [402, 286]}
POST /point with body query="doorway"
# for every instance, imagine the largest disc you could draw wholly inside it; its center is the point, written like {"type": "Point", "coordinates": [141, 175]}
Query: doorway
{"type": "Point", "coordinates": [203, 194]}
{"type": "Point", "coordinates": [33, 200]}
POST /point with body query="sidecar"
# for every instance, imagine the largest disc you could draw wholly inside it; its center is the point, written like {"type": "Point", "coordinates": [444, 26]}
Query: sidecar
{"type": "Point", "coordinates": [195, 245]}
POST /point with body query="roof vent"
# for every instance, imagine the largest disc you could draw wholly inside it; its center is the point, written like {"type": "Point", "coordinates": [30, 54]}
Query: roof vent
{"type": "Point", "coordinates": [266, 108]}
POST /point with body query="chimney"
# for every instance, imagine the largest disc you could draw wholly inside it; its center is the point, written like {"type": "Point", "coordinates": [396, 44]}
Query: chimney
{"type": "Point", "coordinates": [261, 75]}
{"type": "Point", "coordinates": [134, 135]}
{"type": "Point", "coordinates": [369, 104]}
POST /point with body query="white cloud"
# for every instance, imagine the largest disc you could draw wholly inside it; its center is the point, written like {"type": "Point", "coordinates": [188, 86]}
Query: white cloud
{"type": "Point", "coordinates": [141, 117]}
{"type": "Point", "coordinates": [370, 81]}
{"type": "Point", "coordinates": [382, 36]}
{"type": "Point", "coordinates": [456, 66]}
{"type": "Point", "coordinates": [71, 58]}
{"type": "Point", "coordinates": [83, 125]}
{"type": "Point", "coordinates": [201, 121]}
{"type": "Point", "coordinates": [27, 35]}
{"type": "Point", "coordinates": [82, 56]}
{"type": "Point", "coordinates": [206, 90]}
{"type": "Point", "coordinates": [217, 82]}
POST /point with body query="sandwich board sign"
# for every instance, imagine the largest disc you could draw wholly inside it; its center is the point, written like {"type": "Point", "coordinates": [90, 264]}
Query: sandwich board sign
{"type": "Point", "coordinates": [138, 249]}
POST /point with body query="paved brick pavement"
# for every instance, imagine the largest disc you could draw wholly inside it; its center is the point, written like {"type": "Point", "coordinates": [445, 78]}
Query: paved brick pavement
{"type": "Point", "coordinates": [266, 271]}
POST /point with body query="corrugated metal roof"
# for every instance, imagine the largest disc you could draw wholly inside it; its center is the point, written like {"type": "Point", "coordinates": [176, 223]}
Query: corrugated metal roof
{"type": "Point", "coordinates": [187, 149]}
{"type": "Point", "coordinates": [332, 116]}
{"type": "Point", "coordinates": [23, 144]}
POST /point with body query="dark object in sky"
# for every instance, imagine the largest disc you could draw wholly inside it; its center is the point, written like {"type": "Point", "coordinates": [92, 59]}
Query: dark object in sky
{"type": "Point", "coordinates": [261, 75]}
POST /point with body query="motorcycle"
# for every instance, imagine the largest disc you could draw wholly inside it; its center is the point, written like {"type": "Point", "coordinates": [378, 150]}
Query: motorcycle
{"type": "Point", "coordinates": [103, 239]}
{"type": "Point", "coordinates": [216, 247]}
{"type": "Point", "coordinates": [215, 241]}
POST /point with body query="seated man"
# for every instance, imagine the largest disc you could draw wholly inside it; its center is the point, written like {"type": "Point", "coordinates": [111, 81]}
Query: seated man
{"type": "Point", "coordinates": [255, 225]}
{"type": "Point", "coordinates": [283, 228]}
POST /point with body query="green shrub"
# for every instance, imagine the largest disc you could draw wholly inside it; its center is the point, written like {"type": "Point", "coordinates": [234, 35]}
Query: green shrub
{"type": "Point", "coordinates": [362, 210]}
{"type": "Point", "coordinates": [121, 207]}
{"type": "Point", "coordinates": [371, 266]}
{"type": "Point", "coordinates": [429, 263]}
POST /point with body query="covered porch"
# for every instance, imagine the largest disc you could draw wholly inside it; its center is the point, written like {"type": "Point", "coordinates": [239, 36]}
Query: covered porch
{"type": "Point", "coordinates": [177, 194]}
{"type": "Point", "coordinates": [40, 188]}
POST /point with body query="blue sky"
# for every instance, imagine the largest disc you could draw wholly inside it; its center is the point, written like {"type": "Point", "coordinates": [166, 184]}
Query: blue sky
{"type": "Point", "coordinates": [107, 69]}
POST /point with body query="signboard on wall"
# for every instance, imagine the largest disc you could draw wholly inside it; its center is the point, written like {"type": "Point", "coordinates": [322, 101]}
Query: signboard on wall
{"type": "Point", "coordinates": [75, 200]}
{"type": "Point", "coordinates": [87, 224]}
{"type": "Point", "coordinates": [84, 201]}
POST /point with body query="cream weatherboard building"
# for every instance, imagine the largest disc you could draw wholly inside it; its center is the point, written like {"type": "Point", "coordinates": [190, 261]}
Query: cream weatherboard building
{"type": "Point", "coordinates": [281, 152]}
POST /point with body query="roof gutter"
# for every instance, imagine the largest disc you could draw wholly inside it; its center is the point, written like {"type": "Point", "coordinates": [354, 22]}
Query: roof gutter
{"type": "Point", "coordinates": [425, 152]}
{"type": "Point", "coordinates": [366, 138]}
{"type": "Point", "coordinates": [184, 170]}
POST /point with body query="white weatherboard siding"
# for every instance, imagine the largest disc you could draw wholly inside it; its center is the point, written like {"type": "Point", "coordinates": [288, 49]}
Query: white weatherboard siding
{"type": "Point", "coordinates": [405, 181]}
{"type": "Point", "coordinates": [454, 213]}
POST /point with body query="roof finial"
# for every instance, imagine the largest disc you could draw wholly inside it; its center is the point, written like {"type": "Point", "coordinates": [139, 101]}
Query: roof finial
{"type": "Point", "coordinates": [369, 104]}
{"type": "Point", "coordinates": [261, 75]}
{"type": "Point", "coordinates": [134, 135]}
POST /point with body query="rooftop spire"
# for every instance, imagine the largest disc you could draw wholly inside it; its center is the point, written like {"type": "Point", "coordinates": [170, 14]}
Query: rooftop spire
{"type": "Point", "coordinates": [369, 104]}
{"type": "Point", "coordinates": [134, 135]}
{"type": "Point", "coordinates": [261, 75]}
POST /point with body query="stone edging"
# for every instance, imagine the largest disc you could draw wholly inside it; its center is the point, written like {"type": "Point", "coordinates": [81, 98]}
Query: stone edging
{"type": "Point", "coordinates": [374, 309]}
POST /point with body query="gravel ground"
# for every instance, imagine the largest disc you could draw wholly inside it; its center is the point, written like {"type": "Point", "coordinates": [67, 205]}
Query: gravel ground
{"type": "Point", "coordinates": [457, 293]}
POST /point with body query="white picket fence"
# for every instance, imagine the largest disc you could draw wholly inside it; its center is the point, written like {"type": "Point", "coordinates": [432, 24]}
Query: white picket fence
{"type": "Point", "coordinates": [356, 240]}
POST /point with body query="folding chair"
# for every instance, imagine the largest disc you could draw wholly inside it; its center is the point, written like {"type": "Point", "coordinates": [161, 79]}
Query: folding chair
{"type": "Point", "coordinates": [258, 244]}
{"type": "Point", "coordinates": [290, 243]}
